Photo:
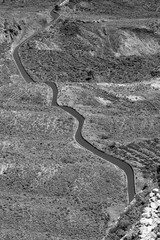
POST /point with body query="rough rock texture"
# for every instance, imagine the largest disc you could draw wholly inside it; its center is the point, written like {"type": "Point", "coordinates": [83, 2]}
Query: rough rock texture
{"type": "Point", "coordinates": [151, 217]}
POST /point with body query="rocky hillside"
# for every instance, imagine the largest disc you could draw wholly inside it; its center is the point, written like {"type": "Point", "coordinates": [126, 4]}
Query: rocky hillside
{"type": "Point", "coordinates": [116, 51]}
{"type": "Point", "coordinates": [141, 220]}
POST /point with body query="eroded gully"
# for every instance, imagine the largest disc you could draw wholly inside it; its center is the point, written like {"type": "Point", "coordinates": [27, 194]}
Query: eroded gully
{"type": "Point", "coordinates": [78, 135]}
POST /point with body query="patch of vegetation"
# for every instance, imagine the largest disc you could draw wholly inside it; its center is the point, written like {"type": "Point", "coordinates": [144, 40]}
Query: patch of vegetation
{"type": "Point", "coordinates": [6, 65]}
{"type": "Point", "coordinates": [26, 94]}
{"type": "Point", "coordinates": [69, 28]}
{"type": "Point", "coordinates": [158, 175]}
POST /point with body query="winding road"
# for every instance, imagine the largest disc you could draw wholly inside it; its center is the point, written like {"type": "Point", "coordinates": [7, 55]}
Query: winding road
{"type": "Point", "coordinates": [78, 135]}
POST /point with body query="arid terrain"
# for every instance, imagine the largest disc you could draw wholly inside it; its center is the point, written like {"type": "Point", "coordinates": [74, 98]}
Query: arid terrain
{"type": "Point", "coordinates": [109, 73]}
{"type": "Point", "coordinates": [104, 57]}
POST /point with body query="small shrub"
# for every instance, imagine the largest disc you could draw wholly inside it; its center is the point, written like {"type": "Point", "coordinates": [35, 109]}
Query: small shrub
{"type": "Point", "coordinates": [124, 223]}
{"type": "Point", "coordinates": [69, 28]}
{"type": "Point", "coordinates": [120, 233]}
{"type": "Point", "coordinates": [57, 8]}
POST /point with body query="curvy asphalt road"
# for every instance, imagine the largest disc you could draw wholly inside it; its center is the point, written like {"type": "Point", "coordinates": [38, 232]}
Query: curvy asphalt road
{"type": "Point", "coordinates": [78, 135]}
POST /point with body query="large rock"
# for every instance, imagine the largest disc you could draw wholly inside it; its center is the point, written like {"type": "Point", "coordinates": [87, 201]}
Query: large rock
{"type": "Point", "coordinates": [146, 221]}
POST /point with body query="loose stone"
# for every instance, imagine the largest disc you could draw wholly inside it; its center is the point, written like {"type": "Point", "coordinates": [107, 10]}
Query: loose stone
{"type": "Point", "coordinates": [151, 194]}
{"type": "Point", "coordinates": [153, 205]}
{"type": "Point", "coordinates": [155, 190]}
{"type": "Point", "coordinates": [153, 199]}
